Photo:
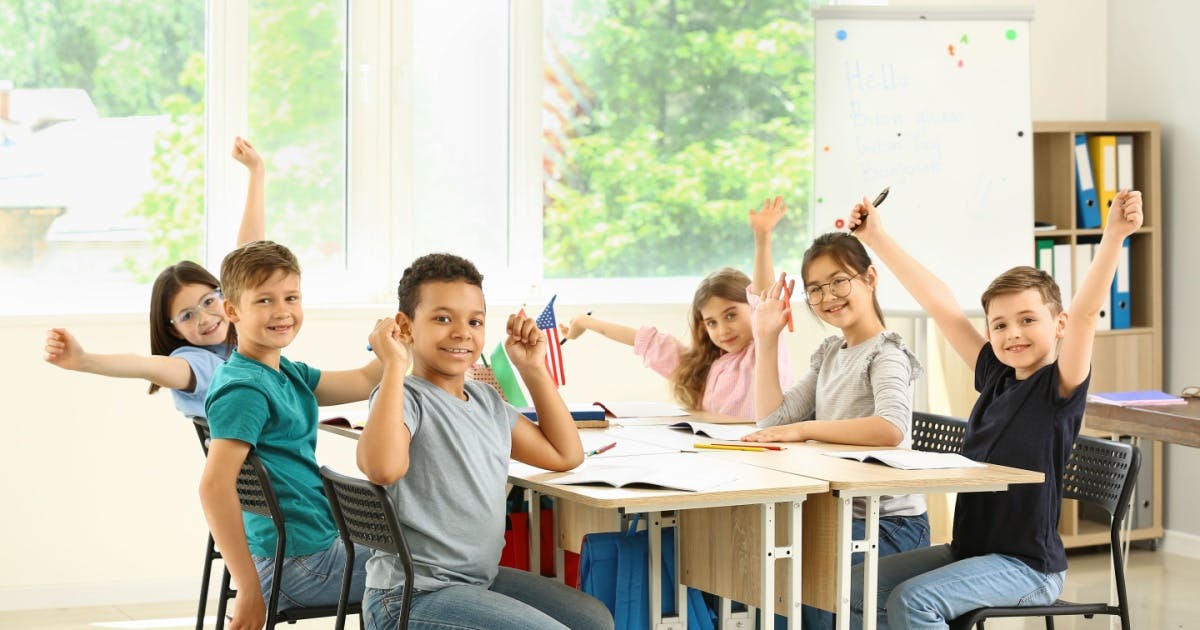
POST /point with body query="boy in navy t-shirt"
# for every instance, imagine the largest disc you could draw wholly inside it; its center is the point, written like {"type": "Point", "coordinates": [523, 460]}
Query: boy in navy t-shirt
{"type": "Point", "coordinates": [1032, 368]}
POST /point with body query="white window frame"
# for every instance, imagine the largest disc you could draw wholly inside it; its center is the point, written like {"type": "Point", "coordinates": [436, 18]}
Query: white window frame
{"type": "Point", "coordinates": [379, 153]}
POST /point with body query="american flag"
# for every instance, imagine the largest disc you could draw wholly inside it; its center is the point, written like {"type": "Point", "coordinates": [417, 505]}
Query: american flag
{"type": "Point", "coordinates": [554, 361]}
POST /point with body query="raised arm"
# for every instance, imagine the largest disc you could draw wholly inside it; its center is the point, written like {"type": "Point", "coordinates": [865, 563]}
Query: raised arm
{"type": "Point", "coordinates": [383, 447]}
{"type": "Point", "coordinates": [552, 443]}
{"type": "Point", "coordinates": [770, 316]}
{"type": "Point", "coordinates": [931, 293]}
{"type": "Point", "coordinates": [254, 222]}
{"type": "Point", "coordinates": [64, 351]}
{"type": "Point", "coordinates": [762, 223]}
{"type": "Point", "coordinates": [1075, 354]}
{"type": "Point", "coordinates": [338, 387]}
{"type": "Point", "coordinates": [584, 323]}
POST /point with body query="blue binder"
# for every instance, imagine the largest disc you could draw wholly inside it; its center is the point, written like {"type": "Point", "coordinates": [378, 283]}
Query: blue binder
{"type": "Point", "coordinates": [1086, 201]}
{"type": "Point", "coordinates": [1121, 315]}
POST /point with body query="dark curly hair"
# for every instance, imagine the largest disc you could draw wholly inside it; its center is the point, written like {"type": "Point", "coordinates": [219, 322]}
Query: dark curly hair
{"type": "Point", "coordinates": [433, 268]}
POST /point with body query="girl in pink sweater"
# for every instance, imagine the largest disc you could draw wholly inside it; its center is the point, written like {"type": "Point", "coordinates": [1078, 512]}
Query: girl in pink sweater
{"type": "Point", "coordinates": [716, 372]}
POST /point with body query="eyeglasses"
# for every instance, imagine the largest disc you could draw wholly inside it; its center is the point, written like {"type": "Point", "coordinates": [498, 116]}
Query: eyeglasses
{"type": "Point", "coordinates": [210, 303]}
{"type": "Point", "coordinates": [839, 287]}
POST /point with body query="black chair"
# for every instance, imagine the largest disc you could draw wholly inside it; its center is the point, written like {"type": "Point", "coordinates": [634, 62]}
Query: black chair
{"type": "Point", "coordinates": [256, 494]}
{"type": "Point", "coordinates": [211, 554]}
{"type": "Point", "coordinates": [366, 515]}
{"type": "Point", "coordinates": [940, 434]}
{"type": "Point", "coordinates": [1102, 473]}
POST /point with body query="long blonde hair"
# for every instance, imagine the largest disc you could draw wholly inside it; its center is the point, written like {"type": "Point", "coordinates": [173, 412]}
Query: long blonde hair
{"type": "Point", "coordinates": [688, 380]}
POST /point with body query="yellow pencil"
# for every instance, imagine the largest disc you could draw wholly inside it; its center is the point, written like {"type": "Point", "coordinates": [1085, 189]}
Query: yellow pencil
{"type": "Point", "coordinates": [730, 447]}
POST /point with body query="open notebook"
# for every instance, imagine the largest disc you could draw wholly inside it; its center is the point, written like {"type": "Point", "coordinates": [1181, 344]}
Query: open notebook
{"type": "Point", "coordinates": [909, 460]}
{"type": "Point", "coordinates": [691, 479]}
{"type": "Point", "coordinates": [348, 418]}
{"type": "Point", "coordinates": [728, 432]}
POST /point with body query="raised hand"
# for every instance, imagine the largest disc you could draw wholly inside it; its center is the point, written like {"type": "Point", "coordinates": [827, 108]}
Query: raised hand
{"type": "Point", "coordinates": [63, 350]}
{"type": "Point", "coordinates": [1125, 213]}
{"type": "Point", "coordinates": [767, 217]}
{"type": "Point", "coordinates": [245, 153]}
{"type": "Point", "coordinates": [525, 345]}
{"type": "Point", "coordinates": [771, 313]}
{"type": "Point", "coordinates": [865, 230]}
{"type": "Point", "coordinates": [387, 343]}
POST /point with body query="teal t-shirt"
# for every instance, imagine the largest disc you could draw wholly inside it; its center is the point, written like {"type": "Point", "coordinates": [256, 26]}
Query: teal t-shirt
{"type": "Point", "coordinates": [275, 412]}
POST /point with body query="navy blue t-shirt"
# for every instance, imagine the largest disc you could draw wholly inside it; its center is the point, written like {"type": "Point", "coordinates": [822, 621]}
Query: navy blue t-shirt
{"type": "Point", "coordinates": [1023, 424]}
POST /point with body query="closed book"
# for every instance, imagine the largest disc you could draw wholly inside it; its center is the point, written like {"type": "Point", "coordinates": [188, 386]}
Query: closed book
{"type": "Point", "coordinates": [1143, 398]}
{"type": "Point", "coordinates": [586, 415]}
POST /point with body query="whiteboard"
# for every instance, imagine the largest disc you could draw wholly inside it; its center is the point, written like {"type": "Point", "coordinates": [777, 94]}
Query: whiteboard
{"type": "Point", "coordinates": [934, 104]}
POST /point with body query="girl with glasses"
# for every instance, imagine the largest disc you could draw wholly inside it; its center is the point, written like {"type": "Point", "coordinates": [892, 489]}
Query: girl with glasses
{"type": "Point", "coordinates": [715, 372]}
{"type": "Point", "coordinates": [189, 333]}
{"type": "Point", "coordinates": [857, 389]}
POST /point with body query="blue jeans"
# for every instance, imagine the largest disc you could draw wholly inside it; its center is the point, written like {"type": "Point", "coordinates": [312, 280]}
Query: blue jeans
{"type": "Point", "coordinates": [896, 534]}
{"type": "Point", "coordinates": [516, 600]}
{"type": "Point", "coordinates": [315, 580]}
{"type": "Point", "coordinates": [927, 588]}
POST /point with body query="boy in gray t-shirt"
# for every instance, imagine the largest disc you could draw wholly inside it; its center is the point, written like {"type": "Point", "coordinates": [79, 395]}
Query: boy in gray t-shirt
{"type": "Point", "coordinates": [441, 445]}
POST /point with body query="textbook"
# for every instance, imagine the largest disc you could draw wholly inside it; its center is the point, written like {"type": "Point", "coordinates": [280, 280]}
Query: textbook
{"type": "Point", "coordinates": [641, 409]}
{"type": "Point", "coordinates": [587, 416]}
{"type": "Point", "coordinates": [909, 460]}
{"type": "Point", "coordinates": [728, 432]}
{"type": "Point", "coordinates": [349, 418]}
{"type": "Point", "coordinates": [691, 479]}
{"type": "Point", "coordinates": [1142, 398]}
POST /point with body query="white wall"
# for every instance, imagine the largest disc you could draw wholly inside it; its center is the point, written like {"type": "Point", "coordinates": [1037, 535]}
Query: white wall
{"type": "Point", "coordinates": [1152, 74]}
{"type": "Point", "coordinates": [100, 479]}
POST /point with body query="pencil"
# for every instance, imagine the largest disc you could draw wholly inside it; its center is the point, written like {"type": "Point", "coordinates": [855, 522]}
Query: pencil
{"type": "Point", "coordinates": [600, 450]}
{"type": "Point", "coordinates": [769, 447]}
{"type": "Point", "coordinates": [787, 297]}
{"type": "Point", "coordinates": [730, 447]}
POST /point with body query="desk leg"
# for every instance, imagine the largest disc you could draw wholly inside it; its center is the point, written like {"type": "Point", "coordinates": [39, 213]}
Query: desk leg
{"type": "Point", "coordinates": [535, 532]}
{"type": "Point", "coordinates": [766, 570]}
{"type": "Point", "coordinates": [795, 565]}
{"type": "Point", "coordinates": [871, 563]}
{"type": "Point", "coordinates": [560, 570]}
{"type": "Point", "coordinates": [847, 547]}
{"type": "Point", "coordinates": [654, 533]}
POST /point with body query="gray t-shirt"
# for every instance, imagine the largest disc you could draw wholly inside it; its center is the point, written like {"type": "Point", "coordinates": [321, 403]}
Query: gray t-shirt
{"type": "Point", "coordinates": [451, 501]}
{"type": "Point", "coordinates": [873, 378]}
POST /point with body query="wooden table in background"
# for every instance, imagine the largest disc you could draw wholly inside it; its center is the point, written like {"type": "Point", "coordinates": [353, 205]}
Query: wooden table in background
{"type": "Point", "coordinates": [1173, 424]}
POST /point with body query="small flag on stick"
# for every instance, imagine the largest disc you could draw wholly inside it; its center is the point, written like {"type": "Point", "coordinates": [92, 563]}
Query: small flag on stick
{"type": "Point", "coordinates": [554, 360]}
{"type": "Point", "coordinates": [510, 386]}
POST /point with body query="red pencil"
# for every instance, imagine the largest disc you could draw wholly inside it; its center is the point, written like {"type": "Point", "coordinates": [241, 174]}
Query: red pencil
{"type": "Point", "coordinates": [787, 297]}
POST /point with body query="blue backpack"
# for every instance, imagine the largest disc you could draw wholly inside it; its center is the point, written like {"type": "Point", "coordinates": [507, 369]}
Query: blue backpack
{"type": "Point", "coordinates": [614, 568]}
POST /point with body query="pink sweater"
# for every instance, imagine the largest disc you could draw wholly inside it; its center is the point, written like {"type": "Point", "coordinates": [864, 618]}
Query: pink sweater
{"type": "Point", "coordinates": [729, 389]}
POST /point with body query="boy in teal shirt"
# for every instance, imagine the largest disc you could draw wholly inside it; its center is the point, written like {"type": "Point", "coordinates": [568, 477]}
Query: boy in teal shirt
{"type": "Point", "coordinates": [259, 399]}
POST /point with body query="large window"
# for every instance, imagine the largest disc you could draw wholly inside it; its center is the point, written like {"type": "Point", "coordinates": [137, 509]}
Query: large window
{"type": "Point", "coordinates": [665, 122]}
{"type": "Point", "coordinates": [96, 99]}
{"type": "Point", "coordinates": [608, 147]}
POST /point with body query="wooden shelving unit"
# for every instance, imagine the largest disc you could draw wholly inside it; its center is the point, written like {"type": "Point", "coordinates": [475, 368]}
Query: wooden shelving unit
{"type": "Point", "coordinates": [1128, 359]}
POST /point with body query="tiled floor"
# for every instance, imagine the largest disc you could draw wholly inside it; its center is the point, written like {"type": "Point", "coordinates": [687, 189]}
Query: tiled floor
{"type": "Point", "coordinates": [1163, 592]}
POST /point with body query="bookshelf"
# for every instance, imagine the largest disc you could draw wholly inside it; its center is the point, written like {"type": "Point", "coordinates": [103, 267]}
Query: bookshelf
{"type": "Point", "coordinates": [1125, 359]}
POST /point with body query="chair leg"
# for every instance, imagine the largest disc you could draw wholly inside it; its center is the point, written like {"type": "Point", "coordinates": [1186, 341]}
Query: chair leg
{"type": "Point", "coordinates": [223, 602]}
{"type": "Point", "coordinates": [210, 555]}
{"type": "Point", "coordinates": [1049, 622]}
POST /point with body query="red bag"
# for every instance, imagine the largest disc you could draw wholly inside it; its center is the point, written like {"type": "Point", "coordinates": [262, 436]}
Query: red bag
{"type": "Point", "coordinates": [516, 547]}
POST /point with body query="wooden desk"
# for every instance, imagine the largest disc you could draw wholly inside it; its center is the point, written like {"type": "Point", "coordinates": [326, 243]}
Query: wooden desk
{"type": "Point", "coordinates": [1174, 424]}
{"type": "Point", "coordinates": [755, 488]}
{"type": "Point", "coordinates": [826, 531]}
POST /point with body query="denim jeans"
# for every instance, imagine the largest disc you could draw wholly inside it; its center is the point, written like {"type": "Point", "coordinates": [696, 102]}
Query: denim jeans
{"type": "Point", "coordinates": [927, 588]}
{"type": "Point", "coordinates": [516, 600]}
{"type": "Point", "coordinates": [896, 534]}
{"type": "Point", "coordinates": [315, 580]}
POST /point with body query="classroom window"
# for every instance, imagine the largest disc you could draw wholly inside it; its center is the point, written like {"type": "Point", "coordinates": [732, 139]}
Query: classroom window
{"type": "Point", "coordinates": [99, 181]}
{"type": "Point", "coordinates": [297, 120]}
{"type": "Point", "coordinates": [664, 123]}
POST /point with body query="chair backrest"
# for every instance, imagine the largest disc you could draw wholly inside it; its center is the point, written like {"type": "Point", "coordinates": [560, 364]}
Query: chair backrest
{"type": "Point", "coordinates": [937, 433]}
{"type": "Point", "coordinates": [365, 514]}
{"type": "Point", "coordinates": [1102, 473]}
{"type": "Point", "coordinates": [254, 488]}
